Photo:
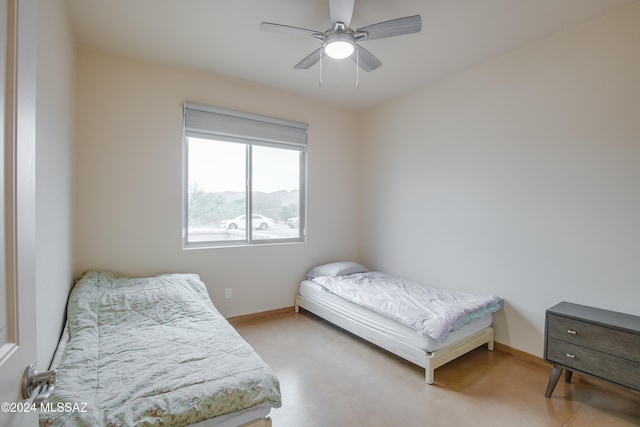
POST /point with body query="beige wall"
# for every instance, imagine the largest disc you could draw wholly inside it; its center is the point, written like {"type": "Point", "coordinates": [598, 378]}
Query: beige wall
{"type": "Point", "coordinates": [129, 181]}
{"type": "Point", "coordinates": [518, 177]}
{"type": "Point", "coordinates": [55, 103]}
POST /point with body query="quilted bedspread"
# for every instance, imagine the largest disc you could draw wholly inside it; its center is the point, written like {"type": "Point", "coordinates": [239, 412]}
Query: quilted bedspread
{"type": "Point", "coordinates": [153, 351]}
{"type": "Point", "coordinates": [430, 311]}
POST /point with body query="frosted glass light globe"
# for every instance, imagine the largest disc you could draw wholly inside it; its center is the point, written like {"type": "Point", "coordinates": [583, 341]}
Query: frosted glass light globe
{"type": "Point", "coordinates": [339, 49]}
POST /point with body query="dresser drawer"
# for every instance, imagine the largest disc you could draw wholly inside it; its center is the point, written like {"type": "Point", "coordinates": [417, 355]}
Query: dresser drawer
{"type": "Point", "coordinates": [606, 366]}
{"type": "Point", "coordinates": [615, 342]}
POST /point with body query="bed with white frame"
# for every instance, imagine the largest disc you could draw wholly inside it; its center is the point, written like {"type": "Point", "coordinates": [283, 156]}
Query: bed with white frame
{"type": "Point", "coordinates": [389, 333]}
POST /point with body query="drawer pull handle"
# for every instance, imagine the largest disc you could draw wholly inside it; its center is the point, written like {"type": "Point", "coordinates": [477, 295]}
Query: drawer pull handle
{"type": "Point", "coordinates": [572, 332]}
{"type": "Point", "coordinates": [571, 356]}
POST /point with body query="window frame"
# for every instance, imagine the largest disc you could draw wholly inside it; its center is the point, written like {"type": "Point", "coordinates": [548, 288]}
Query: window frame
{"type": "Point", "coordinates": [230, 126]}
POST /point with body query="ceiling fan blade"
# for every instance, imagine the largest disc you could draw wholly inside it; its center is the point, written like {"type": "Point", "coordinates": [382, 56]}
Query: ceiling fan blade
{"type": "Point", "coordinates": [341, 11]}
{"type": "Point", "coordinates": [393, 28]}
{"type": "Point", "coordinates": [279, 28]}
{"type": "Point", "coordinates": [366, 59]}
{"type": "Point", "coordinates": [310, 60]}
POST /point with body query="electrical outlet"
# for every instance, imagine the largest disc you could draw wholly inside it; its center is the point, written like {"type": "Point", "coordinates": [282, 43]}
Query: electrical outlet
{"type": "Point", "coordinates": [227, 293]}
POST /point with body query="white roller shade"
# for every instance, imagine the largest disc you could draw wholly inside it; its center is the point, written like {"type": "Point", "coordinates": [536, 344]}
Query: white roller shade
{"type": "Point", "coordinates": [236, 125]}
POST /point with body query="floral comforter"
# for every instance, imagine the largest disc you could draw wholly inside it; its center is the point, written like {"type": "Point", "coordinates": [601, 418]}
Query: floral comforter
{"type": "Point", "coordinates": [430, 311]}
{"type": "Point", "coordinates": [152, 351]}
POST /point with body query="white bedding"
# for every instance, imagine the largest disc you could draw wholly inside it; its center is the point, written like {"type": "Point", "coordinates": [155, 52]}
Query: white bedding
{"type": "Point", "coordinates": [430, 311]}
{"type": "Point", "coordinates": [377, 322]}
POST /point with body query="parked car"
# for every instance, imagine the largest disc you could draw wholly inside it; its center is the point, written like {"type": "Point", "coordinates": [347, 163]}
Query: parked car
{"type": "Point", "coordinates": [294, 222]}
{"type": "Point", "coordinates": [258, 221]}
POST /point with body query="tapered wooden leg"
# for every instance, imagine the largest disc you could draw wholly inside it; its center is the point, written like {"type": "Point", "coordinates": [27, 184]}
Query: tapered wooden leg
{"type": "Point", "coordinates": [553, 380]}
{"type": "Point", "coordinates": [567, 375]}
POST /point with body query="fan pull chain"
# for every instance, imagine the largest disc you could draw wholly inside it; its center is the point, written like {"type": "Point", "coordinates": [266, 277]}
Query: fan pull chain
{"type": "Point", "coordinates": [357, 68]}
{"type": "Point", "coordinates": [320, 78]}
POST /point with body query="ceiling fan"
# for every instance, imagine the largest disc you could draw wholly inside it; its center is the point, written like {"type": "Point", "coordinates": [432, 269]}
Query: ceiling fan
{"type": "Point", "coordinates": [339, 41]}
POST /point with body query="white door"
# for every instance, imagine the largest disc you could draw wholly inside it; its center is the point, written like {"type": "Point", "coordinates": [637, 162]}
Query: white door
{"type": "Point", "coordinates": [18, 21]}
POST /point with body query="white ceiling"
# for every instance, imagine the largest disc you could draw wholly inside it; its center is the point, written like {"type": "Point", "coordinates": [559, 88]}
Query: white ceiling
{"type": "Point", "coordinates": [223, 36]}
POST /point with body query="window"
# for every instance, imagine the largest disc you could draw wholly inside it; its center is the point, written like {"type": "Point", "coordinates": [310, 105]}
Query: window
{"type": "Point", "coordinates": [244, 178]}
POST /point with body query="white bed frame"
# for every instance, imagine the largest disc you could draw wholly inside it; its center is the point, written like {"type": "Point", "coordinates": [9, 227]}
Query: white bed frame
{"type": "Point", "coordinates": [428, 360]}
{"type": "Point", "coordinates": [233, 422]}
{"type": "Point", "coordinates": [263, 422]}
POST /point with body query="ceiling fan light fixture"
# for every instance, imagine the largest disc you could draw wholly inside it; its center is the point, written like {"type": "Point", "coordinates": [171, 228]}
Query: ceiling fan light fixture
{"type": "Point", "coordinates": [339, 46]}
{"type": "Point", "coordinates": [339, 41]}
{"type": "Point", "coordinates": [339, 49]}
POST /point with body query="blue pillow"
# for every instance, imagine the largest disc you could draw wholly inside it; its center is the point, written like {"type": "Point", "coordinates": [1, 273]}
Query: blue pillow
{"type": "Point", "coordinates": [341, 268]}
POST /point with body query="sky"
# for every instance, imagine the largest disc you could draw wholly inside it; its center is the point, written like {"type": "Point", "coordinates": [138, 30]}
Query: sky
{"type": "Point", "coordinates": [220, 166]}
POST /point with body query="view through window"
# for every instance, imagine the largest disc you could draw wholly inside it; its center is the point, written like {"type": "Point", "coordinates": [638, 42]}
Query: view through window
{"type": "Point", "coordinates": [243, 190]}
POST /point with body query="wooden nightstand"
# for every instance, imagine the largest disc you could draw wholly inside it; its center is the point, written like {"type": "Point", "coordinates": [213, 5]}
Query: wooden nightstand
{"type": "Point", "coordinates": [600, 343]}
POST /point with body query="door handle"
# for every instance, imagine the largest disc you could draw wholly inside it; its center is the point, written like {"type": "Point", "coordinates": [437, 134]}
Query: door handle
{"type": "Point", "coordinates": [32, 380]}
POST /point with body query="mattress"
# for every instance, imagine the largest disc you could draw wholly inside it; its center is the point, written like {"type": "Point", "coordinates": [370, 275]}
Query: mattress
{"type": "Point", "coordinates": [154, 351]}
{"type": "Point", "coordinates": [384, 325]}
